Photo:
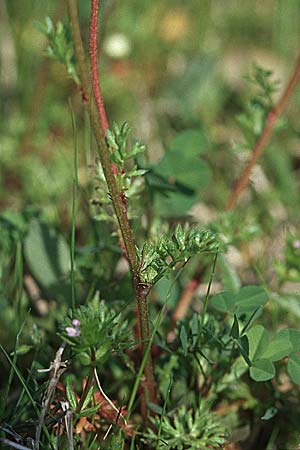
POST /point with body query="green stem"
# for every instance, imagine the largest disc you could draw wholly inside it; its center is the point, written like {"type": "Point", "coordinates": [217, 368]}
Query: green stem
{"type": "Point", "coordinates": [208, 289]}
{"type": "Point", "coordinates": [74, 209]}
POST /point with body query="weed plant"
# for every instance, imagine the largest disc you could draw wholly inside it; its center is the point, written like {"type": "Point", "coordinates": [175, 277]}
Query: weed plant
{"type": "Point", "coordinates": [106, 342]}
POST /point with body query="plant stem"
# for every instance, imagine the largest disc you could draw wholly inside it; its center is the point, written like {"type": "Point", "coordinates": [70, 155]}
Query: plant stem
{"type": "Point", "coordinates": [93, 46]}
{"type": "Point", "coordinates": [271, 119]}
{"type": "Point", "coordinates": [74, 210]}
{"type": "Point", "coordinates": [99, 124]}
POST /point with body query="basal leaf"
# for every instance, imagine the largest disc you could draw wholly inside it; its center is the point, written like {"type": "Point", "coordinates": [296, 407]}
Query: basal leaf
{"type": "Point", "coordinates": [223, 301]}
{"type": "Point", "coordinates": [277, 349]}
{"type": "Point", "coordinates": [245, 302]}
{"type": "Point", "coordinates": [249, 298]}
{"type": "Point", "coordinates": [293, 336]}
{"type": "Point", "coordinates": [258, 341]}
{"type": "Point", "coordinates": [262, 370]}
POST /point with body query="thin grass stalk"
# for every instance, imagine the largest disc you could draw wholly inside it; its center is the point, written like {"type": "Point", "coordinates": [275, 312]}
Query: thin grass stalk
{"type": "Point", "coordinates": [74, 209]}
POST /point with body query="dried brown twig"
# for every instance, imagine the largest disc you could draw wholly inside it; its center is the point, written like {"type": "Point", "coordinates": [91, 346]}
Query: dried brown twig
{"type": "Point", "coordinates": [57, 368]}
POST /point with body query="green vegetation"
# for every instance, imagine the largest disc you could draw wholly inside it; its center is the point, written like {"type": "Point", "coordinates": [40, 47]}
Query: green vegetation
{"type": "Point", "coordinates": [149, 242]}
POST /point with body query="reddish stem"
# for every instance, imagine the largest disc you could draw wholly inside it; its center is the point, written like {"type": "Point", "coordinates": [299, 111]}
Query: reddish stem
{"type": "Point", "coordinates": [272, 118]}
{"type": "Point", "coordinates": [93, 46]}
{"type": "Point", "coordinates": [119, 200]}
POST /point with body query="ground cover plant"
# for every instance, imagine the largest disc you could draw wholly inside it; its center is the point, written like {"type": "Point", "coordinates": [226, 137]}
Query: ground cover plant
{"type": "Point", "coordinates": [149, 290]}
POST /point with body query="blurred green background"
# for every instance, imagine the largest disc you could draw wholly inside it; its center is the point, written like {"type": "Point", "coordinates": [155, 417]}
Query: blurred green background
{"type": "Point", "coordinates": [165, 66]}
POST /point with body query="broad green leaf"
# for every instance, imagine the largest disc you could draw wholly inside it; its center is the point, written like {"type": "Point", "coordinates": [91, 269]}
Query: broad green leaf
{"type": "Point", "coordinates": [223, 301]}
{"type": "Point", "coordinates": [249, 298]}
{"type": "Point", "coordinates": [246, 301]}
{"type": "Point", "coordinates": [184, 171]}
{"type": "Point", "coordinates": [293, 367]}
{"type": "Point", "coordinates": [280, 348]}
{"type": "Point", "coordinates": [258, 341]}
{"type": "Point", "coordinates": [277, 349]}
{"type": "Point", "coordinates": [47, 254]}
{"type": "Point", "coordinates": [293, 336]}
{"type": "Point", "coordinates": [179, 167]}
{"type": "Point", "coordinates": [192, 141]}
{"type": "Point", "coordinates": [262, 370]}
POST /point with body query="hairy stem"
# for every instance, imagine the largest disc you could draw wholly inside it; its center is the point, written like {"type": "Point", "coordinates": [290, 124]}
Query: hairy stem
{"type": "Point", "coordinates": [272, 118]}
{"type": "Point", "coordinates": [93, 45]}
{"type": "Point", "coordinates": [100, 124]}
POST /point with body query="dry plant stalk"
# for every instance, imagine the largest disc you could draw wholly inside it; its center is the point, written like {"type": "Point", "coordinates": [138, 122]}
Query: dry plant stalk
{"type": "Point", "coordinates": [57, 368]}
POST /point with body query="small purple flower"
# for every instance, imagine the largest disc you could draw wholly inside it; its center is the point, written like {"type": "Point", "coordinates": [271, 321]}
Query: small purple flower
{"type": "Point", "coordinates": [74, 331]}
{"type": "Point", "coordinates": [296, 244]}
{"type": "Point", "coordinates": [76, 323]}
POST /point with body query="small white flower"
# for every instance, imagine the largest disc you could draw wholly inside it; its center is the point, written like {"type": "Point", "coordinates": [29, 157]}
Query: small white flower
{"type": "Point", "coordinates": [117, 46]}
